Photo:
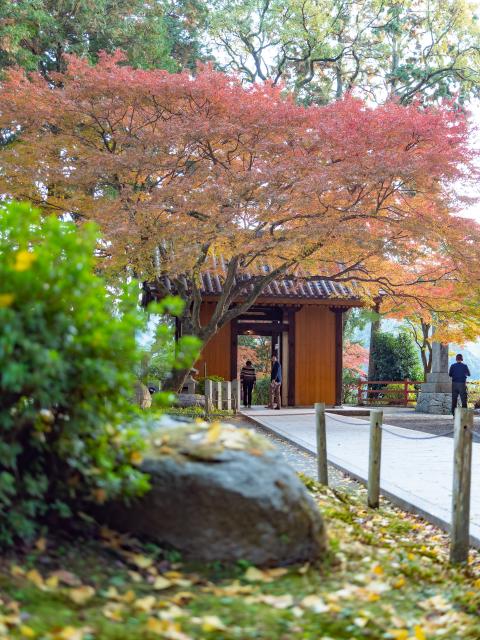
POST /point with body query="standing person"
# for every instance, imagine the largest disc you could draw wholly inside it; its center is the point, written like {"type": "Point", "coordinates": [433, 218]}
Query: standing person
{"type": "Point", "coordinates": [248, 378]}
{"type": "Point", "coordinates": [458, 373]}
{"type": "Point", "coordinates": [275, 384]}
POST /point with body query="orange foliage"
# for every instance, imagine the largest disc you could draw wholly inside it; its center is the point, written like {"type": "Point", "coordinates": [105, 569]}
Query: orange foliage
{"type": "Point", "coordinates": [176, 168]}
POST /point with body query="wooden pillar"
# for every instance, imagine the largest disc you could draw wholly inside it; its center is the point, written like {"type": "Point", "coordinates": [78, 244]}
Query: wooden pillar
{"type": "Point", "coordinates": [291, 357]}
{"type": "Point", "coordinates": [233, 348]}
{"type": "Point", "coordinates": [338, 311]}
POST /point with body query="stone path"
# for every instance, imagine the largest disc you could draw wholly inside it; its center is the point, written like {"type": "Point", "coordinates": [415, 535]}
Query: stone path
{"type": "Point", "coordinates": [416, 474]}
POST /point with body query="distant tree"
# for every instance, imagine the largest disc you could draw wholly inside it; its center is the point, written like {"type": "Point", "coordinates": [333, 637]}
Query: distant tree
{"type": "Point", "coordinates": [396, 357]}
{"type": "Point", "coordinates": [36, 34]}
{"type": "Point", "coordinates": [412, 48]}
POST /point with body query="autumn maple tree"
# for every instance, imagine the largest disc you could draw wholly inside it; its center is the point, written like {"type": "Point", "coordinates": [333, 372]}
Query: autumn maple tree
{"type": "Point", "coordinates": [180, 170]}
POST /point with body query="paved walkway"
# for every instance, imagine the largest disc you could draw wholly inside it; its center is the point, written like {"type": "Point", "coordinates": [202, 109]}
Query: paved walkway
{"type": "Point", "coordinates": [416, 474]}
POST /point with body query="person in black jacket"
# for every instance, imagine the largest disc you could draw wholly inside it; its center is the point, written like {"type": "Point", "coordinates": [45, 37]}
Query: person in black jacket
{"type": "Point", "coordinates": [275, 384]}
{"type": "Point", "coordinates": [458, 373]}
{"type": "Point", "coordinates": [248, 378]}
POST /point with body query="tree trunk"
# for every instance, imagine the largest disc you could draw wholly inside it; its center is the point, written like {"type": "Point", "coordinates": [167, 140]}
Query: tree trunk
{"type": "Point", "coordinates": [176, 380]}
{"type": "Point", "coordinates": [375, 328]}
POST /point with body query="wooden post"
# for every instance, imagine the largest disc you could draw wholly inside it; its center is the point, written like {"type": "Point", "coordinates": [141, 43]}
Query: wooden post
{"type": "Point", "coordinates": [322, 466]}
{"type": "Point", "coordinates": [208, 397]}
{"type": "Point", "coordinates": [462, 476]}
{"type": "Point", "coordinates": [236, 395]}
{"type": "Point", "coordinates": [405, 391]}
{"type": "Point", "coordinates": [227, 395]}
{"type": "Point", "coordinates": [217, 392]}
{"type": "Point", "coordinates": [375, 455]}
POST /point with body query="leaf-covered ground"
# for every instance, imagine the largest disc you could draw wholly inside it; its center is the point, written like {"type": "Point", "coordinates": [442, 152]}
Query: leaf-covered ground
{"type": "Point", "coordinates": [386, 576]}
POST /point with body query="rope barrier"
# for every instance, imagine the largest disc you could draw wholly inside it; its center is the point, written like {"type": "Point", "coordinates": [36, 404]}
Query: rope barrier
{"type": "Point", "coordinates": [399, 435]}
{"type": "Point", "coordinates": [431, 437]}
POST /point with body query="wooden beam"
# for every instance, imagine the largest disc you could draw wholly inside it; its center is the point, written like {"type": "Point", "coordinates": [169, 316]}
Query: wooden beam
{"type": "Point", "coordinates": [254, 327]}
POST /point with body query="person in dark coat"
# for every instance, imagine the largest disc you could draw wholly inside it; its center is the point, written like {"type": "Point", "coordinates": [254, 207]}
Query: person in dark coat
{"type": "Point", "coordinates": [275, 384]}
{"type": "Point", "coordinates": [458, 373]}
{"type": "Point", "coordinates": [248, 378]}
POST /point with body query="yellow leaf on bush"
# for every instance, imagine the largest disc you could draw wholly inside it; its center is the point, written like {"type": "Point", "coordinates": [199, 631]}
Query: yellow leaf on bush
{"type": "Point", "coordinates": [24, 260]}
{"type": "Point", "coordinates": [41, 544]}
{"type": "Point", "coordinates": [81, 595]}
{"type": "Point", "coordinates": [6, 299]}
{"type": "Point", "coordinates": [136, 457]}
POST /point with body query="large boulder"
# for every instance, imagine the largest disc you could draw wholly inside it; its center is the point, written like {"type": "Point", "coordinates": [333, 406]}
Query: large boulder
{"type": "Point", "coordinates": [223, 493]}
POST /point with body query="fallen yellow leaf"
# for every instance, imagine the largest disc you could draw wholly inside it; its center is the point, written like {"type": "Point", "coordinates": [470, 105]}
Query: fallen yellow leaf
{"type": "Point", "coordinates": [27, 631]}
{"type": "Point", "coordinates": [419, 633]}
{"type": "Point", "coordinates": [142, 562]}
{"type": "Point", "coordinates": [114, 611]}
{"type": "Point", "coordinates": [315, 603]}
{"type": "Point", "coordinates": [34, 576]}
{"type": "Point", "coordinates": [68, 633]}
{"type": "Point", "coordinates": [161, 583]}
{"type": "Point", "coordinates": [398, 634]}
{"type": "Point", "coordinates": [214, 432]}
{"type": "Point", "coordinates": [212, 623]}
{"type": "Point", "coordinates": [81, 595]}
{"type": "Point", "coordinates": [252, 574]}
{"type": "Point", "coordinates": [145, 604]}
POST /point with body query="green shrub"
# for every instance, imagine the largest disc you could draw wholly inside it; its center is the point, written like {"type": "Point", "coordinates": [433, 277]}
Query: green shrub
{"type": "Point", "coordinates": [395, 357]}
{"type": "Point", "coordinates": [261, 391]}
{"type": "Point", "coordinates": [67, 361]}
{"type": "Point", "coordinates": [201, 383]}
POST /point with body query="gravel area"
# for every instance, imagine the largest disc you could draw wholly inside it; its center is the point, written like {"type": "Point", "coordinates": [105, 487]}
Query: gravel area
{"type": "Point", "coordinates": [300, 460]}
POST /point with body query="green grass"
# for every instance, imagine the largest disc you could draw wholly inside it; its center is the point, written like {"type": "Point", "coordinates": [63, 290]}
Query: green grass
{"type": "Point", "coordinates": [386, 576]}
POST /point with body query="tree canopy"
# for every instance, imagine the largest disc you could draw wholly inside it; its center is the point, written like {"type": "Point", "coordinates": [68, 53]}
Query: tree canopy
{"type": "Point", "coordinates": [344, 191]}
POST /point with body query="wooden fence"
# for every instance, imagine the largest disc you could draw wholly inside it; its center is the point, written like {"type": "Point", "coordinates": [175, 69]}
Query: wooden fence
{"type": "Point", "coordinates": [383, 392]}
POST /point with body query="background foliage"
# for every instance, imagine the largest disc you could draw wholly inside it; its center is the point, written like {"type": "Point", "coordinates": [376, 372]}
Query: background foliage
{"type": "Point", "coordinates": [396, 357]}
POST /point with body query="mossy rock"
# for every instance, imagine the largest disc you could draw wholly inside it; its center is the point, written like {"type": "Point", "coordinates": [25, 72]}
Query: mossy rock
{"type": "Point", "coordinates": [223, 494]}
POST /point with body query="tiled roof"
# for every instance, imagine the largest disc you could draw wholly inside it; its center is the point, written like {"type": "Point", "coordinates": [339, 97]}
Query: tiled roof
{"type": "Point", "coordinates": [304, 286]}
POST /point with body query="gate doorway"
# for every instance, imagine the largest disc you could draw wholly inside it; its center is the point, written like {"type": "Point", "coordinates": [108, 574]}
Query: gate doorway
{"type": "Point", "coordinates": [256, 336]}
